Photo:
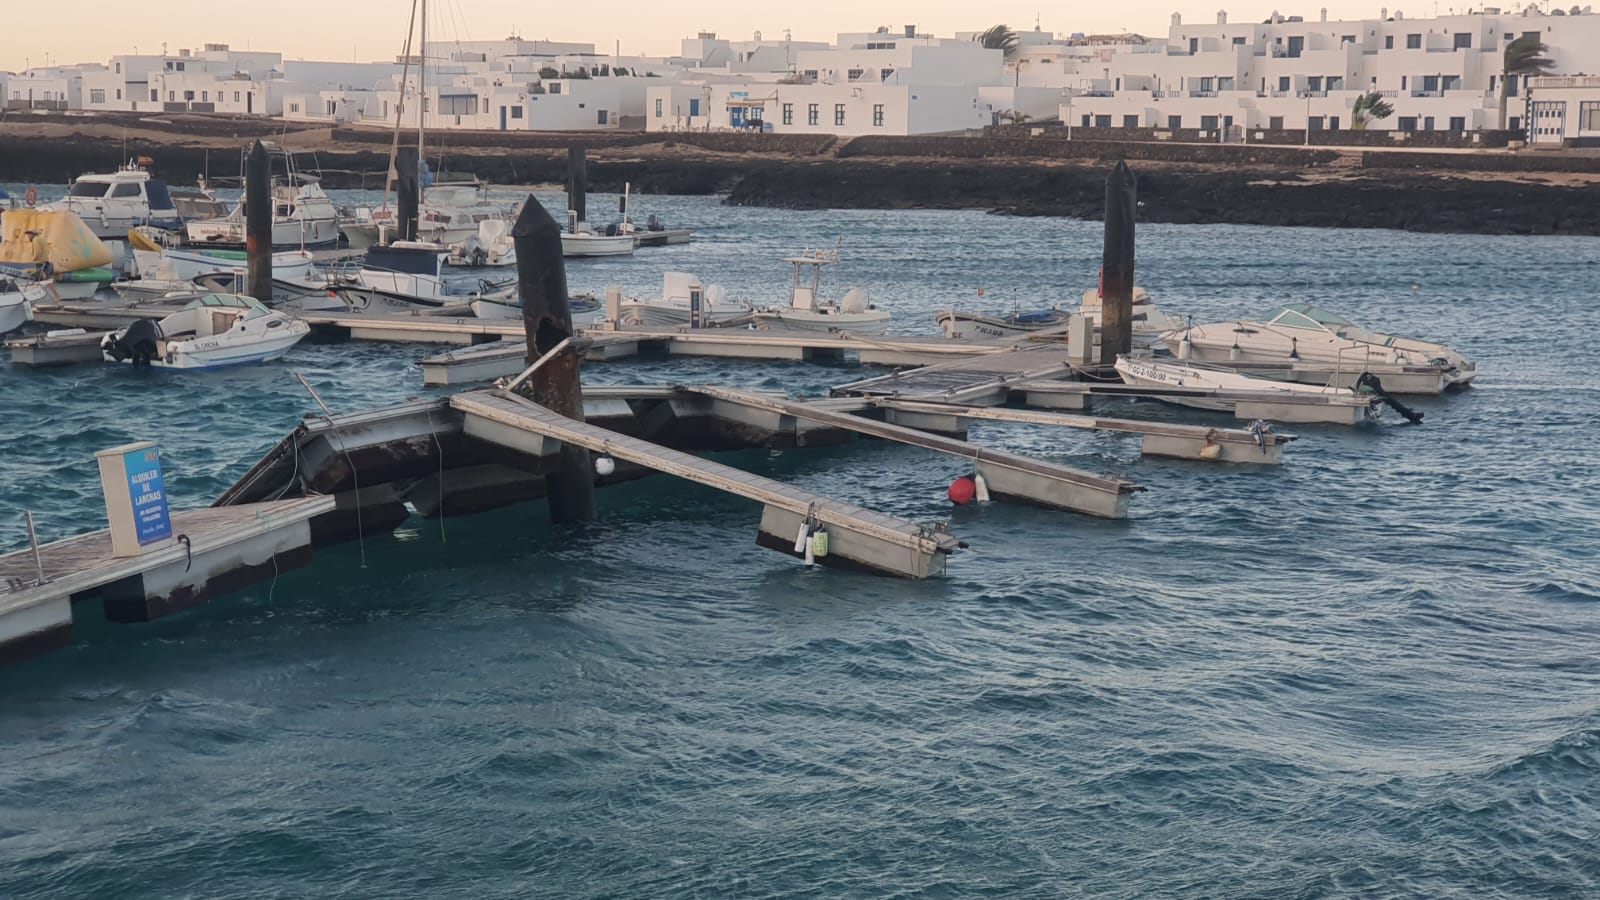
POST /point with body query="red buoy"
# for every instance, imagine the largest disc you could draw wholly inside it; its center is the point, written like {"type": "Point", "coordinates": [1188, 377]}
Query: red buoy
{"type": "Point", "coordinates": [962, 490]}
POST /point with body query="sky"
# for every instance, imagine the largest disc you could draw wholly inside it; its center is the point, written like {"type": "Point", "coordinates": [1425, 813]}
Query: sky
{"type": "Point", "coordinates": [72, 31]}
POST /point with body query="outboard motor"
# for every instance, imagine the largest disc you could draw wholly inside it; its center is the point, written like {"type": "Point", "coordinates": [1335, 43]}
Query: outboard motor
{"type": "Point", "coordinates": [137, 342]}
{"type": "Point", "coordinates": [654, 223]}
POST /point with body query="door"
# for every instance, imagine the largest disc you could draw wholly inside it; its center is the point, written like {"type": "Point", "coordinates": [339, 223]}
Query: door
{"type": "Point", "coordinates": [250, 102]}
{"type": "Point", "coordinates": [502, 118]}
{"type": "Point", "coordinates": [1296, 44]}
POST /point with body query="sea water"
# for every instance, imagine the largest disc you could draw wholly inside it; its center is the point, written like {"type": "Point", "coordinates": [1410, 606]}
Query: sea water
{"type": "Point", "coordinates": [1371, 671]}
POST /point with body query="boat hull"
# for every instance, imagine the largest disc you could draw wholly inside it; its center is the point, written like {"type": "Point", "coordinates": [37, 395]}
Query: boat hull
{"type": "Point", "coordinates": [201, 354]}
{"type": "Point", "coordinates": [811, 322]}
{"type": "Point", "coordinates": [229, 235]}
{"type": "Point", "coordinates": [13, 312]}
{"type": "Point", "coordinates": [581, 245]}
{"type": "Point", "coordinates": [659, 315]}
{"type": "Point", "coordinates": [978, 327]}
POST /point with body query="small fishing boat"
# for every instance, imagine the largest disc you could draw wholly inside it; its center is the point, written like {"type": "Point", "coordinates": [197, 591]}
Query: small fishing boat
{"type": "Point", "coordinates": [211, 332]}
{"type": "Point", "coordinates": [404, 276]}
{"type": "Point", "coordinates": [978, 326]}
{"type": "Point", "coordinates": [588, 242]}
{"type": "Point", "coordinates": [507, 305]}
{"type": "Point", "coordinates": [1149, 372]}
{"type": "Point", "coordinates": [112, 204]}
{"type": "Point", "coordinates": [313, 293]}
{"type": "Point", "coordinates": [684, 302]}
{"type": "Point", "coordinates": [807, 312]}
{"type": "Point", "coordinates": [1300, 331]}
{"type": "Point", "coordinates": [155, 262]}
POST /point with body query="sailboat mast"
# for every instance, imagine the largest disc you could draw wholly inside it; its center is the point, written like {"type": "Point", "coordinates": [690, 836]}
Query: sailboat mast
{"type": "Point", "coordinates": [422, 87]}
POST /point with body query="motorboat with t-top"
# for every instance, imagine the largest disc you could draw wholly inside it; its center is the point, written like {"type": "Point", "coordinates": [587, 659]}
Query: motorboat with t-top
{"type": "Point", "coordinates": [684, 302]}
{"type": "Point", "coordinates": [302, 215]}
{"type": "Point", "coordinates": [808, 312]}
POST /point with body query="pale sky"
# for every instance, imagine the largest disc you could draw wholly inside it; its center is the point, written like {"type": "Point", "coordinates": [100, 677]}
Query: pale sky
{"type": "Point", "coordinates": [73, 31]}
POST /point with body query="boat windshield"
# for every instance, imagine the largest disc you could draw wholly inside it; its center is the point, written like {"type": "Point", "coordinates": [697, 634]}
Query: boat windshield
{"type": "Point", "coordinates": [89, 189]}
{"type": "Point", "coordinates": [1304, 315]}
{"type": "Point", "coordinates": [249, 305]}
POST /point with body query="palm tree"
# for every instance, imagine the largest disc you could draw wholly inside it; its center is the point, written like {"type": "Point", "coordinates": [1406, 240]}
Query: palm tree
{"type": "Point", "coordinates": [1524, 57]}
{"type": "Point", "coordinates": [1369, 107]}
{"type": "Point", "coordinates": [998, 37]}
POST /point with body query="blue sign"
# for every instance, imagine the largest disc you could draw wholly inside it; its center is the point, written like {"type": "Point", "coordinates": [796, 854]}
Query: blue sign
{"type": "Point", "coordinates": [148, 494]}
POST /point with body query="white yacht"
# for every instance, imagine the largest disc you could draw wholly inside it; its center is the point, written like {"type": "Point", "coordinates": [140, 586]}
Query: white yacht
{"type": "Point", "coordinates": [112, 204]}
{"type": "Point", "coordinates": [211, 332]}
{"type": "Point", "coordinates": [684, 301]}
{"type": "Point", "coordinates": [1300, 331]}
{"type": "Point", "coordinates": [808, 312]}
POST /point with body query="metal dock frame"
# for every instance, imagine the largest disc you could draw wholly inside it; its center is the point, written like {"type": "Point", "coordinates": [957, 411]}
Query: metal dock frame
{"type": "Point", "coordinates": [858, 538]}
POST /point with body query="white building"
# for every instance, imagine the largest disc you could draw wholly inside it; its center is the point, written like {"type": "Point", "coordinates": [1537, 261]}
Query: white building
{"type": "Point", "coordinates": [53, 87]}
{"type": "Point", "coordinates": [1440, 74]}
{"type": "Point", "coordinates": [1564, 110]}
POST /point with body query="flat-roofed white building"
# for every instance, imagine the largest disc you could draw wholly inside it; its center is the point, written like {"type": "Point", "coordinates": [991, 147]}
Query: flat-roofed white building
{"type": "Point", "coordinates": [1564, 110]}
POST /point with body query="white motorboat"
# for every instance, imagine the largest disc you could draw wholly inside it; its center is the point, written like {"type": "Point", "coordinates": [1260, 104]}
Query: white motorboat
{"type": "Point", "coordinates": [302, 214]}
{"type": "Point", "coordinates": [1150, 372]}
{"type": "Point", "coordinates": [1149, 323]}
{"type": "Point", "coordinates": [448, 213]}
{"type": "Point", "coordinates": [112, 204]}
{"type": "Point", "coordinates": [16, 302]}
{"type": "Point", "coordinates": [404, 276]}
{"type": "Point", "coordinates": [684, 302]}
{"type": "Point", "coordinates": [807, 312]}
{"type": "Point", "coordinates": [213, 331]}
{"type": "Point", "coordinates": [981, 326]}
{"type": "Point", "coordinates": [1300, 331]}
{"type": "Point", "coordinates": [490, 247]}
{"type": "Point", "coordinates": [313, 293]}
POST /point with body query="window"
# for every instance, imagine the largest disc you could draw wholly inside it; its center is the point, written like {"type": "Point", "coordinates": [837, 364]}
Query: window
{"type": "Point", "coordinates": [119, 93]}
{"type": "Point", "coordinates": [119, 68]}
{"type": "Point", "coordinates": [1333, 123]}
{"type": "Point", "coordinates": [877, 115]}
{"type": "Point", "coordinates": [1430, 83]}
{"type": "Point", "coordinates": [91, 189]}
{"type": "Point", "coordinates": [883, 74]}
{"type": "Point", "coordinates": [1238, 42]}
{"type": "Point", "coordinates": [180, 67]}
{"type": "Point", "coordinates": [97, 96]}
{"type": "Point", "coordinates": [205, 96]}
{"type": "Point", "coordinates": [1130, 121]}
{"type": "Point", "coordinates": [1463, 40]}
{"type": "Point", "coordinates": [154, 96]}
{"type": "Point", "coordinates": [1275, 123]}
{"type": "Point", "coordinates": [1225, 82]}
{"type": "Point", "coordinates": [1588, 115]}
{"type": "Point", "coordinates": [516, 112]}
{"type": "Point", "coordinates": [1314, 83]}
{"type": "Point", "coordinates": [1335, 83]}
{"type": "Point", "coordinates": [811, 115]}
{"type": "Point", "coordinates": [601, 116]}
{"type": "Point", "coordinates": [1194, 46]}
{"type": "Point", "coordinates": [1450, 83]}
{"type": "Point", "coordinates": [1511, 85]}
{"type": "Point", "coordinates": [838, 114]}
{"type": "Point", "coordinates": [555, 87]}
{"type": "Point", "coordinates": [811, 74]}
{"type": "Point", "coordinates": [1413, 42]}
{"type": "Point", "coordinates": [188, 95]}
{"type": "Point", "coordinates": [855, 74]}
{"type": "Point", "coordinates": [236, 100]}
{"type": "Point", "coordinates": [125, 190]}
{"type": "Point", "coordinates": [1427, 123]}
{"type": "Point", "coordinates": [788, 114]}
{"type": "Point", "coordinates": [1207, 85]}
{"type": "Point", "coordinates": [1407, 123]}
{"type": "Point", "coordinates": [1208, 123]}
{"type": "Point", "coordinates": [172, 96]}
{"type": "Point", "coordinates": [659, 105]}
{"type": "Point", "coordinates": [294, 107]}
{"type": "Point", "coordinates": [1174, 121]}
{"type": "Point", "coordinates": [1314, 123]}
{"type": "Point", "coordinates": [694, 107]}
{"type": "Point", "coordinates": [1283, 82]}
{"type": "Point", "coordinates": [1458, 123]}
{"type": "Point", "coordinates": [1388, 42]}
{"type": "Point", "coordinates": [1102, 121]}
{"type": "Point", "coordinates": [1347, 39]}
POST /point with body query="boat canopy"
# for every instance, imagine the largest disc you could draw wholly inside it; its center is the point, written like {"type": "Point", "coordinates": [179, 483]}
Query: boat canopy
{"type": "Point", "coordinates": [233, 301]}
{"type": "Point", "coordinates": [407, 260]}
{"type": "Point", "coordinates": [1304, 315]}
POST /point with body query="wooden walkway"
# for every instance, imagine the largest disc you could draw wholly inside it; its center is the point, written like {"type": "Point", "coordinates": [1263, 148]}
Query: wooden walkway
{"type": "Point", "coordinates": [868, 539]}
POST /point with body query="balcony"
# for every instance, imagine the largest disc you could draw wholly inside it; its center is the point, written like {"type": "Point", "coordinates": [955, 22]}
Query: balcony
{"type": "Point", "coordinates": [1202, 93]}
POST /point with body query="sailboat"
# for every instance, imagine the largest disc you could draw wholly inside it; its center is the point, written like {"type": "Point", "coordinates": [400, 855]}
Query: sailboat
{"type": "Point", "coordinates": [447, 212]}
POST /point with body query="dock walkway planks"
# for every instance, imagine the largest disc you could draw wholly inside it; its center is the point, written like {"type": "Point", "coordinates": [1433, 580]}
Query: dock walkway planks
{"type": "Point", "coordinates": [921, 543]}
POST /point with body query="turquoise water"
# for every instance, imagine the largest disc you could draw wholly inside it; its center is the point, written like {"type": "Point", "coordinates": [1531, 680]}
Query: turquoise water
{"type": "Point", "coordinates": [1369, 672]}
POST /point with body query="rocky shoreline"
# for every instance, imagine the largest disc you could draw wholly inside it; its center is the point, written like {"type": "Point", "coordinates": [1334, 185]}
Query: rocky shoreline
{"type": "Point", "coordinates": [1250, 186]}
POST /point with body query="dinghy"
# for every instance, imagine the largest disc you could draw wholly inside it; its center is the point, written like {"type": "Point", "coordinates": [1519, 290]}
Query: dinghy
{"type": "Point", "coordinates": [213, 331]}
